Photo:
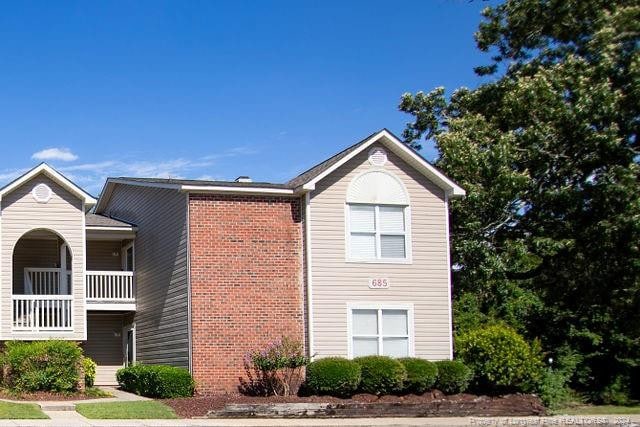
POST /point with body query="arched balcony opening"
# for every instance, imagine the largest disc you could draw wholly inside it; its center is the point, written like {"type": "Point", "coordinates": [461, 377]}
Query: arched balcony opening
{"type": "Point", "coordinates": [42, 283]}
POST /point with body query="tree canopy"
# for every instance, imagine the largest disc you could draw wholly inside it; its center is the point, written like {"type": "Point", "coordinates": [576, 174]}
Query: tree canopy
{"type": "Point", "coordinates": [547, 239]}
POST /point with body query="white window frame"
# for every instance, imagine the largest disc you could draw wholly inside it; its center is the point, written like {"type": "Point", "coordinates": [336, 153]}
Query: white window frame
{"type": "Point", "coordinates": [380, 306]}
{"type": "Point", "coordinates": [378, 259]}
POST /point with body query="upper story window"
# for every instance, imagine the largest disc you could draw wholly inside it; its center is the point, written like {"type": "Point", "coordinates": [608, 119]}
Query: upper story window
{"type": "Point", "coordinates": [377, 232]}
{"type": "Point", "coordinates": [378, 219]}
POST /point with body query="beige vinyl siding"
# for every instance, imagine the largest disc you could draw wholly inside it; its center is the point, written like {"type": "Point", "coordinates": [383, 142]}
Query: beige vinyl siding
{"type": "Point", "coordinates": [423, 282]}
{"type": "Point", "coordinates": [161, 270]}
{"type": "Point", "coordinates": [100, 255]}
{"type": "Point", "coordinates": [64, 215]}
{"type": "Point", "coordinates": [105, 345]}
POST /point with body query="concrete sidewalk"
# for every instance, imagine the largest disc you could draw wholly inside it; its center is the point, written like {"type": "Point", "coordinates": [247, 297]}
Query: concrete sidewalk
{"type": "Point", "coordinates": [73, 419]}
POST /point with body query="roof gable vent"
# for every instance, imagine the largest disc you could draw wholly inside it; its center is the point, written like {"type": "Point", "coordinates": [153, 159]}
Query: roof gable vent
{"type": "Point", "coordinates": [377, 156]}
{"type": "Point", "coordinates": [244, 179]}
{"type": "Point", "coordinates": [41, 193]}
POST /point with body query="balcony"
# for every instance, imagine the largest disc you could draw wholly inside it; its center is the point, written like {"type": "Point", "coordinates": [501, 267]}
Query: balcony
{"type": "Point", "coordinates": [41, 313]}
{"type": "Point", "coordinates": [110, 290]}
{"type": "Point", "coordinates": [46, 303]}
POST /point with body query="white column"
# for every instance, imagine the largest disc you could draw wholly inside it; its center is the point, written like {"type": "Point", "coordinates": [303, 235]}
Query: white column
{"type": "Point", "coordinates": [64, 283]}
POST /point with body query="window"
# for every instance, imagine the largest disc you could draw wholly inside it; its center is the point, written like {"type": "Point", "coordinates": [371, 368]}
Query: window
{"type": "Point", "coordinates": [381, 331]}
{"type": "Point", "coordinates": [377, 232]}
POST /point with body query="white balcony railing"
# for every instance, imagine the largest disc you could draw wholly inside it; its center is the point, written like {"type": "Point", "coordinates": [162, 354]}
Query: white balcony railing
{"type": "Point", "coordinates": [37, 313]}
{"type": "Point", "coordinates": [46, 281]}
{"type": "Point", "coordinates": [110, 286]}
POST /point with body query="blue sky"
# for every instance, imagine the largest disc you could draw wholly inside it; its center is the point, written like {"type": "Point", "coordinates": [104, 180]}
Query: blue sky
{"type": "Point", "coordinates": [213, 90]}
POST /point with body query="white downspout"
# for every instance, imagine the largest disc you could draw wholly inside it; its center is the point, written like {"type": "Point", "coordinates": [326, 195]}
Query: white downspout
{"type": "Point", "coordinates": [307, 226]}
{"type": "Point", "coordinates": [446, 213]}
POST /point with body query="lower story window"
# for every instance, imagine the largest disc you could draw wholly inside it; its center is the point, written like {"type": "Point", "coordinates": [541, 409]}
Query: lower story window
{"type": "Point", "coordinates": [381, 331]}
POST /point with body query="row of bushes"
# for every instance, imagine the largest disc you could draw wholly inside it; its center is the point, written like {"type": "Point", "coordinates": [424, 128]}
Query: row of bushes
{"type": "Point", "coordinates": [381, 375]}
{"type": "Point", "coordinates": [51, 365]}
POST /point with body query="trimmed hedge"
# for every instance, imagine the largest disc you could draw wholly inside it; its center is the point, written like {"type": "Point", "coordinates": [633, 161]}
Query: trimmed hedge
{"type": "Point", "coordinates": [89, 367]}
{"type": "Point", "coordinates": [160, 381]}
{"type": "Point", "coordinates": [421, 375]}
{"type": "Point", "coordinates": [51, 365]}
{"type": "Point", "coordinates": [381, 375]}
{"type": "Point", "coordinates": [335, 376]}
{"type": "Point", "coordinates": [453, 376]}
{"type": "Point", "coordinates": [501, 359]}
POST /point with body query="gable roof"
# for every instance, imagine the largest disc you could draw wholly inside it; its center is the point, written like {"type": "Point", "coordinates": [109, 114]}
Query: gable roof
{"type": "Point", "coordinates": [54, 175]}
{"type": "Point", "coordinates": [309, 178]}
{"type": "Point", "coordinates": [300, 184]}
{"type": "Point", "coordinates": [314, 171]}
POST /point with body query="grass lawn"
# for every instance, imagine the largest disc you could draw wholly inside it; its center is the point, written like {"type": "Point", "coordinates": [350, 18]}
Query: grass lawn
{"type": "Point", "coordinates": [13, 411]}
{"type": "Point", "coordinates": [598, 410]}
{"type": "Point", "coordinates": [142, 409]}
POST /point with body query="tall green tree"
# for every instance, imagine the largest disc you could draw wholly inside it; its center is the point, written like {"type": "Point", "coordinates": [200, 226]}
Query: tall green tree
{"type": "Point", "coordinates": [548, 236]}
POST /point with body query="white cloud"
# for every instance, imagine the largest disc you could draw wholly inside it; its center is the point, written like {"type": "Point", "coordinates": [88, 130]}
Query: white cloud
{"type": "Point", "coordinates": [63, 154]}
{"type": "Point", "coordinates": [92, 175]}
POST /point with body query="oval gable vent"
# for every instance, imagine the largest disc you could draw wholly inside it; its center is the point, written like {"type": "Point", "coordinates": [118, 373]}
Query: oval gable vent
{"type": "Point", "coordinates": [377, 157]}
{"type": "Point", "coordinates": [41, 193]}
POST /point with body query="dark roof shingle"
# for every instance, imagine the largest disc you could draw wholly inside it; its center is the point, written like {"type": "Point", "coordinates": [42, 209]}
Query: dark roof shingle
{"type": "Point", "coordinates": [94, 220]}
{"type": "Point", "coordinates": [200, 182]}
{"type": "Point", "coordinates": [316, 170]}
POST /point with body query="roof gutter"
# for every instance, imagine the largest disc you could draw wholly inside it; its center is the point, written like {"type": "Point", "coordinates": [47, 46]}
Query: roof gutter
{"type": "Point", "coordinates": [236, 190]}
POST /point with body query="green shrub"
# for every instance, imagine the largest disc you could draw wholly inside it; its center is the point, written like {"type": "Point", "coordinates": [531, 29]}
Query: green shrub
{"type": "Point", "coordinates": [553, 390]}
{"type": "Point", "coordinates": [381, 375]}
{"type": "Point", "coordinates": [89, 367]}
{"type": "Point", "coordinates": [51, 365]}
{"type": "Point", "coordinates": [453, 376]}
{"type": "Point", "coordinates": [334, 376]}
{"type": "Point", "coordinates": [618, 392]}
{"type": "Point", "coordinates": [421, 375]}
{"type": "Point", "coordinates": [160, 381]}
{"type": "Point", "coordinates": [500, 358]}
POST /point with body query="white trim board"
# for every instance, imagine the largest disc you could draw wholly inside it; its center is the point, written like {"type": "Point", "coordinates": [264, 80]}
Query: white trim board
{"type": "Point", "coordinates": [56, 176]}
{"type": "Point", "coordinates": [381, 306]}
{"type": "Point", "coordinates": [407, 154]}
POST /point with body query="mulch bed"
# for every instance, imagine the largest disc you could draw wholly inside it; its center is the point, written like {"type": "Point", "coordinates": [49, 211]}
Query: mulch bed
{"type": "Point", "coordinates": [46, 395]}
{"type": "Point", "coordinates": [512, 404]}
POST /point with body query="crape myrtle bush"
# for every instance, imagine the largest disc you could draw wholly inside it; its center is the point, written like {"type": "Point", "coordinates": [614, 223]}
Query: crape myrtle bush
{"type": "Point", "coordinates": [51, 365]}
{"type": "Point", "coordinates": [421, 375]}
{"type": "Point", "coordinates": [335, 376]}
{"type": "Point", "coordinates": [160, 381]}
{"type": "Point", "coordinates": [381, 375]}
{"type": "Point", "coordinates": [277, 369]}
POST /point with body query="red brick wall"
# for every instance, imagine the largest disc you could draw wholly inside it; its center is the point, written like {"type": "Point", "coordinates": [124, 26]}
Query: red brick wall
{"type": "Point", "coordinates": [246, 281]}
